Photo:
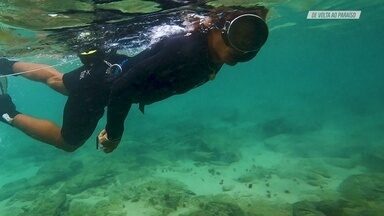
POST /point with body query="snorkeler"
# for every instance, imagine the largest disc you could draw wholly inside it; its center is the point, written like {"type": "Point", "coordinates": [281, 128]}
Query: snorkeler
{"type": "Point", "coordinates": [174, 65]}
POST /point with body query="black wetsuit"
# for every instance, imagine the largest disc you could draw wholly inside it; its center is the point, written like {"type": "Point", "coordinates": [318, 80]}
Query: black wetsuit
{"type": "Point", "coordinates": [172, 66]}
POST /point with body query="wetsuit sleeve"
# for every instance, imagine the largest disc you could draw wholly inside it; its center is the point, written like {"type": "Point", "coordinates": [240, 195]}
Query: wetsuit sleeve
{"type": "Point", "coordinates": [116, 114]}
{"type": "Point", "coordinates": [126, 87]}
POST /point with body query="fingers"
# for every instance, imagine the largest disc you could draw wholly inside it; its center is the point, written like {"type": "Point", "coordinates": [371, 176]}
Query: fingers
{"type": "Point", "coordinates": [102, 133]}
{"type": "Point", "coordinates": [108, 149]}
{"type": "Point", "coordinates": [106, 145]}
{"type": "Point", "coordinates": [102, 136]}
{"type": "Point", "coordinates": [110, 146]}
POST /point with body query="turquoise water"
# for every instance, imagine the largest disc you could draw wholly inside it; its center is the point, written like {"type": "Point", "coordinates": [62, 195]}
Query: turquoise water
{"type": "Point", "coordinates": [298, 129]}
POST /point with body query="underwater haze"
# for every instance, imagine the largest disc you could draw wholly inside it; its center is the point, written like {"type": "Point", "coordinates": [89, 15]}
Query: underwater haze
{"type": "Point", "coordinates": [298, 130]}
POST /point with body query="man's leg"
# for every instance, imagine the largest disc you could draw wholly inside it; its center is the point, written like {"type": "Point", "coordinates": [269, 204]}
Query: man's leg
{"type": "Point", "coordinates": [42, 130]}
{"type": "Point", "coordinates": [42, 73]}
{"type": "Point", "coordinates": [39, 129]}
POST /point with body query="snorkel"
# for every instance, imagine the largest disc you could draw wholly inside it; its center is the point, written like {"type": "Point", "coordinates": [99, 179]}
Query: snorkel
{"type": "Point", "coordinates": [90, 57]}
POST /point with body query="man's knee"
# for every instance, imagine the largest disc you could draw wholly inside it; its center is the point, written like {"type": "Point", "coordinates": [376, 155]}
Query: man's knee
{"type": "Point", "coordinates": [71, 144]}
{"type": "Point", "coordinates": [69, 147]}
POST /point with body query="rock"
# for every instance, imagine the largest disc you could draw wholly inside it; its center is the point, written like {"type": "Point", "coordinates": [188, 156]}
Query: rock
{"type": "Point", "coordinates": [56, 171]}
{"type": "Point", "coordinates": [88, 180]}
{"type": "Point", "coordinates": [362, 194]}
{"type": "Point", "coordinates": [11, 188]}
{"type": "Point", "coordinates": [163, 194]}
{"type": "Point", "coordinates": [47, 204]}
{"type": "Point", "coordinates": [336, 208]}
{"type": "Point", "coordinates": [305, 208]}
{"type": "Point", "coordinates": [314, 179]}
{"type": "Point", "coordinates": [201, 156]}
{"type": "Point", "coordinates": [347, 163]}
{"type": "Point", "coordinates": [216, 208]}
{"type": "Point", "coordinates": [80, 208]}
{"type": "Point", "coordinates": [254, 173]}
{"type": "Point", "coordinates": [322, 208]}
{"type": "Point", "coordinates": [109, 207]}
{"type": "Point", "coordinates": [247, 177]}
{"type": "Point", "coordinates": [363, 187]}
{"type": "Point", "coordinates": [374, 160]}
{"type": "Point", "coordinates": [227, 188]}
{"type": "Point", "coordinates": [203, 151]}
{"type": "Point", "coordinates": [275, 127]}
{"type": "Point", "coordinates": [215, 156]}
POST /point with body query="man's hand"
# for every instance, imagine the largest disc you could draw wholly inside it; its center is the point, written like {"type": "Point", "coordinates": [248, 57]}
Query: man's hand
{"type": "Point", "coordinates": [105, 144]}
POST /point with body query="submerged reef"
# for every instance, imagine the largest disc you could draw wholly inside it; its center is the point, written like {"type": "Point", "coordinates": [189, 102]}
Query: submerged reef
{"type": "Point", "coordinates": [198, 171]}
{"type": "Point", "coordinates": [100, 194]}
{"type": "Point", "coordinates": [361, 194]}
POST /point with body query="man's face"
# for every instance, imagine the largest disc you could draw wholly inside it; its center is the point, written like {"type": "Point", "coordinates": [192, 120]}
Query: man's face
{"type": "Point", "coordinates": [225, 53]}
{"type": "Point", "coordinates": [229, 55]}
{"type": "Point", "coordinates": [232, 56]}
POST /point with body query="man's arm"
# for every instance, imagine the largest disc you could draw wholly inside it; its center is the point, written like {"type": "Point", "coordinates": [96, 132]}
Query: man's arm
{"type": "Point", "coordinates": [129, 84]}
{"type": "Point", "coordinates": [116, 114]}
{"type": "Point", "coordinates": [123, 92]}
